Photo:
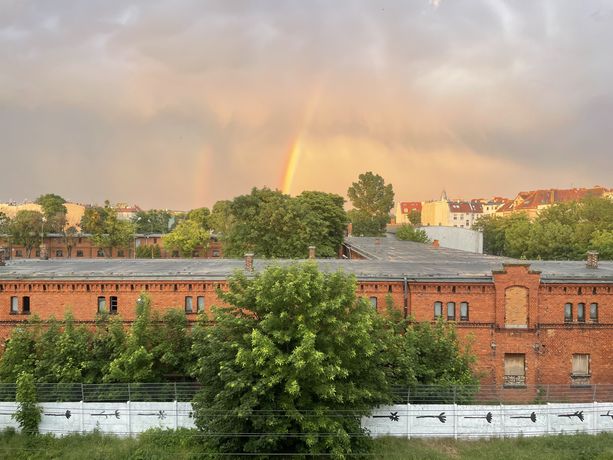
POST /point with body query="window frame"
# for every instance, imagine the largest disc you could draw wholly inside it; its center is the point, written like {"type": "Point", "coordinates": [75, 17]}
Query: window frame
{"type": "Point", "coordinates": [113, 305]}
{"type": "Point", "coordinates": [451, 307]}
{"type": "Point", "coordinates": [568, 312]}
{"type": "Point", "coordinates": [200, 304]}
{"type": "Point", "coordinates": [25, 305]}
{"type": "Point", "coordinates": [188, 304]}
{"type": "Point", "coordinates": [101, 304]}
{"type": "Point", "coordinates": [438, 305]}
{"type": "Point", "coordinates": [514, 380]}
{"type": "Point", "coordinates": [581, 312]}
{"type": "Point", "coordinates": [594, 312]}
{"type": "Point", "coordinates": [14, 305]}
{"type": "Point", "coordinates": [464, 317]}
{"type": "Point", "coordinates": [374, 302]}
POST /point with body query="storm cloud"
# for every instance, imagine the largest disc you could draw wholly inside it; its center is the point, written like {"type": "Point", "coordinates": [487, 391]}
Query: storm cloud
{"type": "Point", "coordinates": [180, 104]}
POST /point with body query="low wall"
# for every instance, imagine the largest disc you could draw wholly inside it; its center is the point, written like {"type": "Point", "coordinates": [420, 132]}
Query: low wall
{"type": "Point", "coordinates": [402, 420]}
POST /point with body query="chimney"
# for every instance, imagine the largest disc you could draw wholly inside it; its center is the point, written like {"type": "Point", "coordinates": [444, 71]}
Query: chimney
{"type": "Point", "coordinates": [2, 263]}
{"type": "Point", "coordinates": [249, 262]}
{"type": "Point", "coordinates": [592, 259]}
{"type": "Point", "coordinates": [311, 252]}
{"type": "Point", "coordinates": [435, 244]}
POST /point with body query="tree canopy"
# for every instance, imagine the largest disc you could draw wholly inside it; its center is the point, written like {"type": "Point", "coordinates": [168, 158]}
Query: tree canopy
{"type": "Point", "coordinates": [186, 237]}
{"type": "Point", "coordinates": [107, 230]}
{"type": "Point", "coordinates": [152, 221]}
{"type": "Point", "coordinates": [26, 229]}
{"type": "Point", "coordinates": [54, 211]}
{"type": "Point", "coordinates": [564, 231]}
{"type": "Point", "coordinates": [372, 201]}
{"type": "Point", "coordinates": [272, 224]}
{"type": "Point", "coordinates": [407, 232]}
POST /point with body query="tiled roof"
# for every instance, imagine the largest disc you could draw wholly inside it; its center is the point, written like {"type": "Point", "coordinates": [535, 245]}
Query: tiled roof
{"type": "Point", "coordinates": [465, 206]}
{"type": "Point", "coordinates": [408, 206]}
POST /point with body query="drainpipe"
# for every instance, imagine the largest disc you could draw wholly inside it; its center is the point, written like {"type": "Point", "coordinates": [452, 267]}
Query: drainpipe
{"type": "Point", "coordinates": [405, 291]}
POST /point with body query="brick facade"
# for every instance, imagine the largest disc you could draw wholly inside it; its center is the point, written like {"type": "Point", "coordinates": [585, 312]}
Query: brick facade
{"type": "Point", "coordinates": [515, 313]}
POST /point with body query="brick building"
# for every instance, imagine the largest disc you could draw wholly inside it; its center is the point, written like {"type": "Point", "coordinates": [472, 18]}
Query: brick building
{"type": "Point", "coordinates": [529, 322]}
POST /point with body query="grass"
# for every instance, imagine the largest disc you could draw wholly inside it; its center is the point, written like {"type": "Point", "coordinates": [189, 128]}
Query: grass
{"type": "Point", "coordinates": [182, 444]}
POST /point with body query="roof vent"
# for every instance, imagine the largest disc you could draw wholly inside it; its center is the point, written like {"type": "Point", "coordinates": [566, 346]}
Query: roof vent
{"type": "Point", "coordinates": [592, 259]}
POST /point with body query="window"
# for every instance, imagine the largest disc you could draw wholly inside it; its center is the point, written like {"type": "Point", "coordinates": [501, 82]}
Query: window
{"type": "Point", "coordinates": [568, 312]}
{"type": "Point", "coordinates": [581, 312]}
{"type": "Point", "coordinates": [464, 311]}
{"type": "Point", "coordinates": [37, 253]}
{"type": "Point", "coordinates": [79, 252]}
{"type": "Point", "coordinates": [594, 312]}
{"type": "Point", "coordinates": [200, 301]}
{"type": "Point", "coordinates": [514, 369]}
{"type": "Point", "coordinates": [121, 253]}
{"type": "Point", "coordinates": [175, 253]}
{"type": "Point", "coordinates": [113, 308]}
{"type": "Point", "coordinates": [438, 310]}
{"type": "Point", "coordinates": [14, 305]}
{"type": "Point", "coordinates": [59, 253]}
{"type": "Point", "coordinates": [373, 302]}
{"type": "Point", "coordinates": [581, 369]}
{"type": "Point", "coordinates": [101, 304]}
{"type": "Point", "coordinates": [215, 252]}
{"type": "Point", "coordinates": [25, 306]}
{"type": "Point", "coordinates": [18, 253]}
{"type": "Point", "coordinates": [189, 307]}
{"type": "Point", "coordinates": [451, 311]}
{"type": "Point", "coordinates": [100, 253]}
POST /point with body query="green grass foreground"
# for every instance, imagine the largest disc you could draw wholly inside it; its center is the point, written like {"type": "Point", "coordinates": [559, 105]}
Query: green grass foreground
{"type": "Point", "coordinates": [183, 444]}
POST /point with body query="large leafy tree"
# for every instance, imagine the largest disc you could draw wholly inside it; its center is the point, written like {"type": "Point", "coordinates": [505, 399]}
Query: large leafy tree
{"type": "Point", "coordinates": [220, 219]}
{"type": "Point", "coordinates": [201, 216]}
{"type": "Point", "coordinates": [294, 350]}
{"type": "Point", "coordinates": [107, 230]}
{"type": "Point", "coordinates": [407, 232]}
{"type": "Point", "coordinates": [152, 221]}
{"type": "Point", "coordinates": [5, 223]}
{"type": "Point", "coordinates": [26, 229]}
{"type": "Point", "coordinates": [54, 211]}
{"type": "Point", "coordinates": [272, 224]}
{"type": "Point", "coordinates": [373, 200]}
{"type": "Point", "coordinates": [186, 238]}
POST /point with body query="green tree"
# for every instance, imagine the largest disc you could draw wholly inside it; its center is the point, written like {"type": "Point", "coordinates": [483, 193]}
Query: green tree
{"type": "Point", "coordinates": [108, 341]}
{"type": "Point", "coordinates": [220, 219]}
{"type": "Point", "coordinates": [28, 413]}
{"type": "Point", "coordinates": [363, 224]}
{"type": "Point", "coordinates": [20, 351]}
{"type": "Point", "coordinates": [415, 217]}
{"type": "Point", "coordinates": [374, 199]}
{"type": "Point", "coordinates": [26, 230]}
{"type": "Point", "coordinates": [150, 251]}
{"type": "Point", "coordinates": [186, 237]}
{"type": "Point", "coordinates": [602, 241]}
{"type": "Point", "coordinates": [54, 211]}
{"type": "Point", "coordinates": [407, 232]}
{"type": "Point", "coordinates": [5, 224]}
{"type": "Point", "coordinates": [69, 359]}
{"type": "Point", "coordinates": [70, 237]}
{"type": "Point", "coordinates": [303, 353]}
{"type": "Point", "coordinates": [173, 348]}
{"type": "Point", "coordinates": [107, 230]}
{"type": "Point", "coordinates": [201, 216]}
{"type": "Point", "coordinates": [136, 362]}
{"type": "Point", "coordinates": [152, 221]}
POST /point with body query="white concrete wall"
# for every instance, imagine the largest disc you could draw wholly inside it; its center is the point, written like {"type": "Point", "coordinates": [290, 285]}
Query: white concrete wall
{"type": "Point", "coordinates": [454, 421]}
{"type": "Point", "coordinates": [456, 238]}
{"type": "Point", "coordinates": [418, 421]}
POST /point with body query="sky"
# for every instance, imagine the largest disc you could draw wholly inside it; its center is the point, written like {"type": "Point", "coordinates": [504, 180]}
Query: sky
{"type": "Point", "coordinates": [180, 104]}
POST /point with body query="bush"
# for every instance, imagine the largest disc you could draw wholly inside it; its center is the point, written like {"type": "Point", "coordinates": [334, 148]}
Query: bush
{"type": "Point", "coordinates": [28, 413]}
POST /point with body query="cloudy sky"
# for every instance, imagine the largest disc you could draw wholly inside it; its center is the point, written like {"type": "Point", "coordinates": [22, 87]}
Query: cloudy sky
{"type": "Point", "coordinates": [177, 104]}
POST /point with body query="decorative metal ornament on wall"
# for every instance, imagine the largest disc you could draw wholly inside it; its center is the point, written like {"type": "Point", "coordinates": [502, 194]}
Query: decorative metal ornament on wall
{"type": "Point", "coordinates": [66, 414]}
{"type": "Point", "coordinates": [441, 417]}
{"type": "Point", "coordinates": [608, 414]}
{"type": "Point", "coordinates": [106, 415]}
{"type": "Point", "coordinates": [393, 416]}
{"type": "Point", "coordinates": [487, 417]}
{"type": "Point", "coordinates": [161, 414]}
{"type": "Point", "coordinates": [532, 416]}
{"type": "Point", "coordinates": [578, 414]}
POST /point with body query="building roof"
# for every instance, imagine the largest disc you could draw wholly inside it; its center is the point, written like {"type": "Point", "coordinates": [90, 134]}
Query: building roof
{"type": "Point", "coordinates": [390, 260]}
{"type": "Point", "coordinates": [465, 207]}
{"type": "Point", "coordinates": [407, 206]}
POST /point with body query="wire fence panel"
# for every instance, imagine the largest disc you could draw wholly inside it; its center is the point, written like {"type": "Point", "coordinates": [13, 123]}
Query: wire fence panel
{"type": "Point", "coordinates": [415, 394]}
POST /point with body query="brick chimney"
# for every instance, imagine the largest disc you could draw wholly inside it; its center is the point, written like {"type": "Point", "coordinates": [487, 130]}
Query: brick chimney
{"type": "Point", "coordinates": [2, 263]}
{"type": "Point", "coordinates": [592, 259]}
{"type": "Point", "coordinates": [435, 244]}
{"type": "Point", "coordinates": [311, 252]}
{"type": "Point", "coordinates": [249, 262]}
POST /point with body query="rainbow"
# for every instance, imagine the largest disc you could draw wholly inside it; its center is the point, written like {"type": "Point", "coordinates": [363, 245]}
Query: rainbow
{"type": "Point", "coordinates": [297, 147]}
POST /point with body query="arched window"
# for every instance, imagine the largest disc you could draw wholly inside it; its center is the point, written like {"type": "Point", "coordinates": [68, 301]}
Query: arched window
{"type": "Point", "coordinates": [451, 311]}
{"type": "Point", "coordinates": [464, 311]}
{"type": "Point", "coordinates": [438, 310]}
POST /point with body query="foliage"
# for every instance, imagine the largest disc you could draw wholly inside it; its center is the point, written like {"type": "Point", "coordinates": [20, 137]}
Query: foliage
{"type": "Point", "coordinates": [54, 211]}
{"type": "Point", "coordinates": [220, 219]}
{"type": "Point", "coordinates": [152, 221]}
{"type": "Point", "coordinates": [415, 217]}
{"type": "Point", "coordinates": [26, 230]}
{"type": "Point", "coordinates": [149, 251]}
{"type": "Point", "coordinates": [107, 230]}
{"type": "Point", "coordinates": [5, 223]}
{"type": "Point", "coordinates": [19, 353]}
{"type": "Point", "coordinates": [271, 224]}
{"type": "Point", "coordinates": [186, 238]}
{"type": "Point", "coordinates": [409, 233]}
{"type": "Point", "coordinates": [562, 231]}
{"type": "Point", "coordinates": [374, 199]}
{"type": "Point", "coordinates": [305, 345]}
{"type": "Point", "coordinates": [70, 237]}
{"type": "Point", "coordinates": [200, 216]}
{"type": "Point", "coordinates": [28, 413]}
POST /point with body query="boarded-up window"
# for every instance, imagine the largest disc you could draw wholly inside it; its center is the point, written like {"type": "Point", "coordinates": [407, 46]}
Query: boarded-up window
{"type": "Point", "coordinates": [581, 364]}
{"type": "Point", "coordinates": [101, 304]}
{"type": "Point", "coordinates": [514, 369]}
{"type": "Point", "coordinates": [581, 369]}
{"type": "Point", "coordinates": [516, 307]}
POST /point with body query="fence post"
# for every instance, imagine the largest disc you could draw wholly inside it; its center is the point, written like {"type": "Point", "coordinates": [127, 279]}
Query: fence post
{"type": "Point", "coordinates": [455, 420]}
{"type": "Point", "coordinates": [82, 417]}
{"type": "Point", "coordinates": [176, 414]}
{"type": "Point", "coordinates": [594, 427]}
{"type": "Point", "coordinates": [82, 393]}
{"type": "Point", "coordinates": [548, 428]}
{"type": "Point", "coordinates": [129, 393]}
{"type": "Point", "coordinates": [503, 429]}
{"type": "Point", "coordinates": [175, 388]}
{"type": "Point", "coordinates": [455, 394]}
{"type": "Point", "coordinates": [129, 411]}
